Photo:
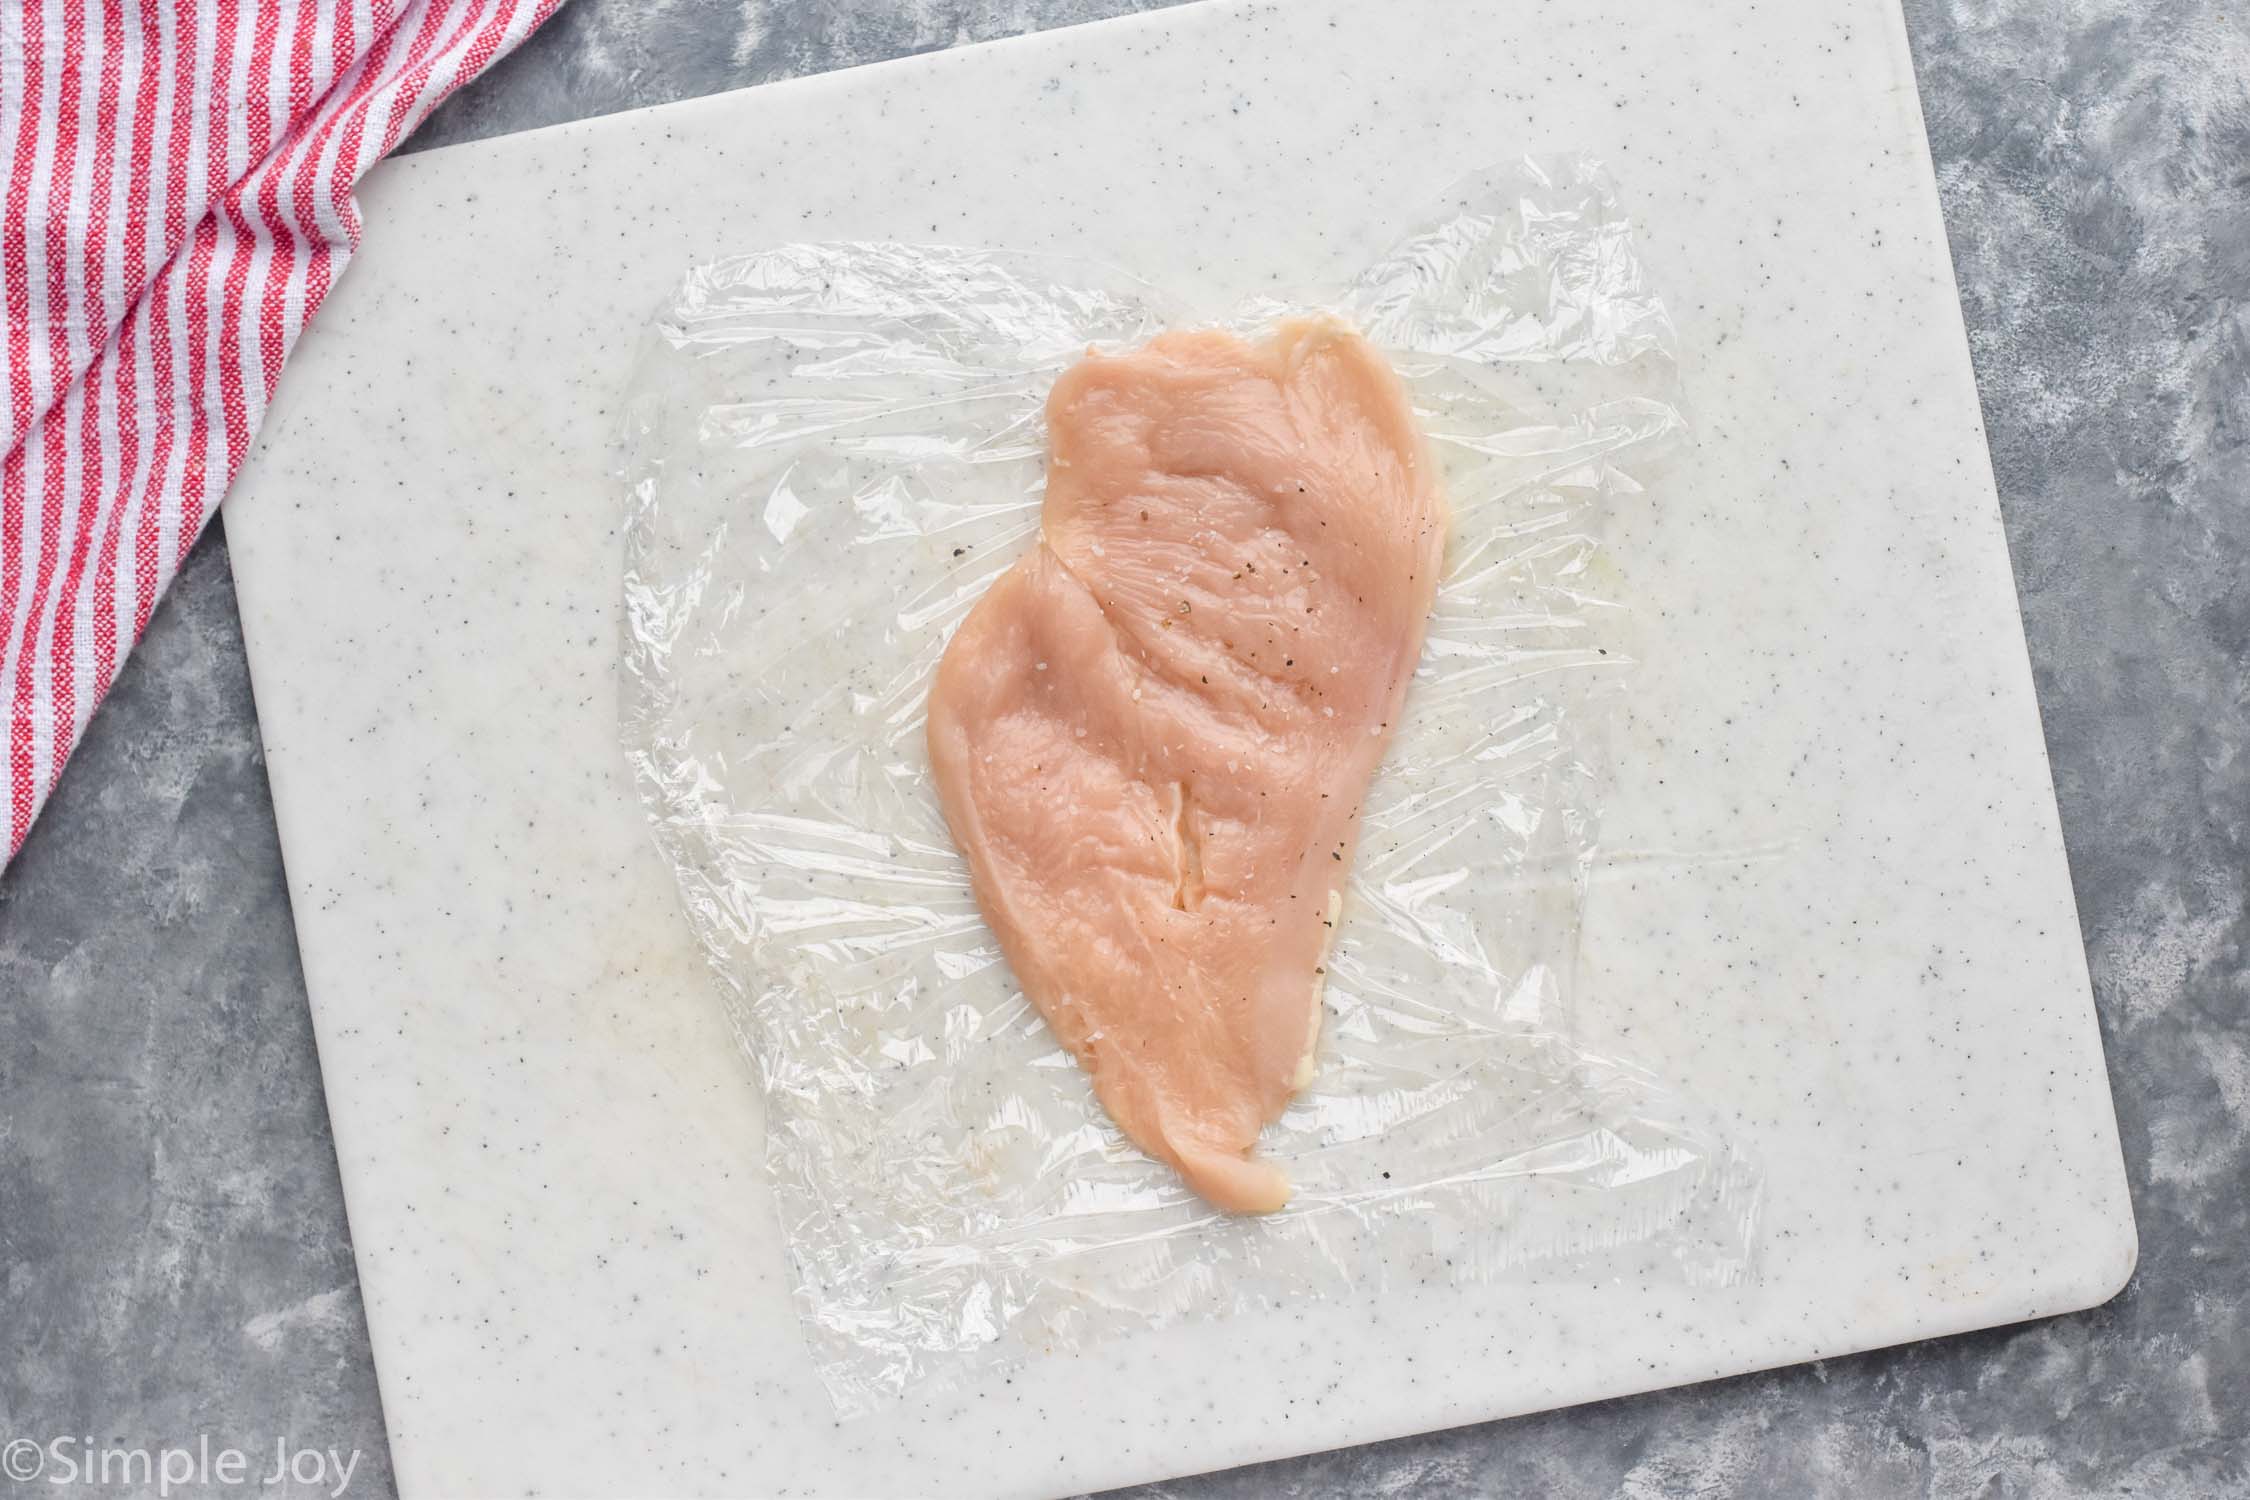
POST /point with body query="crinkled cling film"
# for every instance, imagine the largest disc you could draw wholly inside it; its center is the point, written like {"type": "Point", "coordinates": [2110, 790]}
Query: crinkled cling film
{"type": "Point", "coordinates": [832, 450]}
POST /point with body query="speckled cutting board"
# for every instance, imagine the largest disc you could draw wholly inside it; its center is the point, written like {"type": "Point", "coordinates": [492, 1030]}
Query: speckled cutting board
{"type": "Point", "coordinates": [1836, 899]}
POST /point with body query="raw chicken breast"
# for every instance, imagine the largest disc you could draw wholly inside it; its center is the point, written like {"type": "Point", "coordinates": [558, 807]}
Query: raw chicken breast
{"type": "Point", "coordinates": [1151, 737]}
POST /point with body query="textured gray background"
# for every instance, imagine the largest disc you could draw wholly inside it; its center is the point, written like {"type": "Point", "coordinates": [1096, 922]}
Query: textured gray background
{"type": "Point", "coordinates": [173, 1252]}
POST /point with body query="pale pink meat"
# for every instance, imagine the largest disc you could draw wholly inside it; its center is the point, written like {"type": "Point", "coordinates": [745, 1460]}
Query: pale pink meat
{"type": "Point", "coordinates": [1152, 736]}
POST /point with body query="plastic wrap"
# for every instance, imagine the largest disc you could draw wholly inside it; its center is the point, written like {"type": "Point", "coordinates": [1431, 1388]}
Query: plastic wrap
{"type": "Point", "coordinates": [832, 450]}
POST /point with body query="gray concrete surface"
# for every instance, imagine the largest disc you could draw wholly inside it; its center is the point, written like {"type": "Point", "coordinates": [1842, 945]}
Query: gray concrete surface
{"type": "Point", "coordinates": [173, 1253]}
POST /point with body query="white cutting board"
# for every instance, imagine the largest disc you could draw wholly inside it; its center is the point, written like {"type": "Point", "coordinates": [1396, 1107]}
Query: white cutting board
{"type": "Point", "coordinates": [1837, 900]}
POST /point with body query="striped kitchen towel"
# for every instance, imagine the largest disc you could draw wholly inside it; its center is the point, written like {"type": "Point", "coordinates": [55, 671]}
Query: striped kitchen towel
{"type": "Point", "coordinates": [179, 200]}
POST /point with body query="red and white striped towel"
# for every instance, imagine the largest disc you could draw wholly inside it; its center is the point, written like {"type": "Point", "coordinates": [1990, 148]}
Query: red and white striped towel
{"type": "Point", "coordinates": [179, 200]}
